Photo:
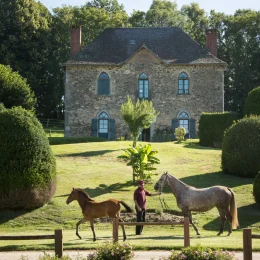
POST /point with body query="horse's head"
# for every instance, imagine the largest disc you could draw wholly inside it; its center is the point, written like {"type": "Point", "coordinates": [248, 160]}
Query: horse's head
{"type": "Point", "coordinates": [161, 182]}
{"type": "Point", "coordinates": [72, 196]}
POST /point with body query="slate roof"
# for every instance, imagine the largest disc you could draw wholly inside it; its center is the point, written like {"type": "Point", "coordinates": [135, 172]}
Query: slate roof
{"type": "Point", "coordinates": [170, 44]}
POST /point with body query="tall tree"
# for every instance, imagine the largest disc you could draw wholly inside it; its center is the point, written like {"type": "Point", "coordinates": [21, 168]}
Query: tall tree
{"type": "Point", "coordinates": [27, 44]}
{"type": "Point", "coordinates": [94, 17]}
{"type": "Point", "coordinates": [196, 22]}
{"type": "Point", "coordinates": [163, 13]}
{"type": "Point", "coordinates": [240, 48]}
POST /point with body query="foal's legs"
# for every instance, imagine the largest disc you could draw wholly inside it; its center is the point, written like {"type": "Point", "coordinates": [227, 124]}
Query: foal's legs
{"type": "Point", "coordinates": [123, 229]}
{"type": "Point", "coordinates": [77, 227]}
{"type": "Point", "coordinates": [188, 214]}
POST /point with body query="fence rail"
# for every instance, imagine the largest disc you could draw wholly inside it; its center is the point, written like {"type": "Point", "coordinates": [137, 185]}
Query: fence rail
{"type": "Point", "coordinates": [247, 243]}
{"type": "Point", "coordinates": [58, 238]}
{"type": "Point", "coordinates": [185, 223]}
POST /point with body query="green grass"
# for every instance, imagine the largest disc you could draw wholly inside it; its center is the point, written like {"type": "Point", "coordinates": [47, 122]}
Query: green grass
{"type": "Point", "coordinates": [95, 168]}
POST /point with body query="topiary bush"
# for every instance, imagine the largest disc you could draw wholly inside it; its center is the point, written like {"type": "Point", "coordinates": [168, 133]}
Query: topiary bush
{"type": "Point", "coordinates": [241, 148]}
{"type": "Point", "coordinates": [256, 188]}
{"type": "Point", "coordinates": [28, 166]}
{"type": "Point", "coordinates": [252, 103]}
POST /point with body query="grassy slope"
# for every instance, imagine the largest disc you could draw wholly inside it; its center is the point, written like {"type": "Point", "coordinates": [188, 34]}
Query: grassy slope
{"type": "Point", "coordinates": [95, 167]}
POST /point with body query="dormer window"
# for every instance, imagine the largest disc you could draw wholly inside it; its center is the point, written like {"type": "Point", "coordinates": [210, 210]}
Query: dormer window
{"type": "Point", "coordinates": [132, 42]}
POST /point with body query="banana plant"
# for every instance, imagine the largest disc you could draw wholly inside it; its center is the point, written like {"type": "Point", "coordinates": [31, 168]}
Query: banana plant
{"type": "Point", "coordinates": [142, 160]}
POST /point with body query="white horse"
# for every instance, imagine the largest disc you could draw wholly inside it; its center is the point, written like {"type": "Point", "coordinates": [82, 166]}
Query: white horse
{"type": "Point", "coordinates": [192, 199]}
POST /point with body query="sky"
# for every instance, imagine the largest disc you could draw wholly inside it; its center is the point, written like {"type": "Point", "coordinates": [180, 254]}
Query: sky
{"type": "Point", "coordinates": [225, 6]}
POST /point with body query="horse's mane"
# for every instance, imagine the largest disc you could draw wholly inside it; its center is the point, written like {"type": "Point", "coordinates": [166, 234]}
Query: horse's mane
{"type": "Point", "coordinates": [85, 194]}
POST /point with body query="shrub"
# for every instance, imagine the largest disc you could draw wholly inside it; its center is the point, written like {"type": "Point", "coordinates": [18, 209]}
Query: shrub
{"type": "Point", "coordinates": [111, 251]}
{"type": "Point", "coordinates": [142, 160]}
{"type": "Point", "coordinates": [241, 148]}
{"type": "Point", "coordinates": [252, 103]}
{"type": "Point", "coordinates": [212, 127]}
{"type": "Point", "coordinates": [256, 188]}
{"type": "Point", "coordinates": [28, 167]}
{"type": "Point", "coordinates": [180, 133]}
{"type": "Point", "coordinates": [162, 134]}
{"type": "Point", "coordinates": [201, 253]}
{"type": "Point", "coordinates": [74, 140]}
{"type": "Point", "coordinates": [14, 90]}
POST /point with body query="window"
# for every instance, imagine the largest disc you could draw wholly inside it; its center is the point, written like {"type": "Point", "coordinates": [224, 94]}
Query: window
{"type": "Point", "coordinates": [183, 119]}
{"type": "Point", "coordinates": [103, 125]}
{"type": "Point", "coordinates": [183, 83]}
{"type": "Point", "coordinates": [143, 86]}
{"type": "Point", "coordinates": [103, 84]}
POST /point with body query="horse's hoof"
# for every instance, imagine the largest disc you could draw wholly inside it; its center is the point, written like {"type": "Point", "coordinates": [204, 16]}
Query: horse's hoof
{"type": "Point", "coordinates": [229, 233]}
{"type": "Point", "coordinates": [94, 239]}
{"type": "Point", "coordinates": [198, 234]}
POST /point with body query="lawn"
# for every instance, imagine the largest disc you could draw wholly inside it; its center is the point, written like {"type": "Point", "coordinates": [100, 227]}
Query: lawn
{"type": "Point", "coordinates": [95, 168]}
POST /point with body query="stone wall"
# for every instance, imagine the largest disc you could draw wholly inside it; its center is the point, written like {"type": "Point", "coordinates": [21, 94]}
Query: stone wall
{"type": "Point", "coordinates": [206, 85]}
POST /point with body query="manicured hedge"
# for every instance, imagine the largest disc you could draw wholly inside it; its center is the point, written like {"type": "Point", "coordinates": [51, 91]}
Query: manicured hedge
{"type": "Point", "coordinates": [28, 166]}
{"type": "Point", "coordinates": [256, 188]}
{"type": "Point", "coordinates": [74, 140]}
{"type": "Point", "coordinates": [252, 104]}
{"type": "Point", "coordinates": [241, 148]}
{"type": "Point", "coordinates": [212, 127]}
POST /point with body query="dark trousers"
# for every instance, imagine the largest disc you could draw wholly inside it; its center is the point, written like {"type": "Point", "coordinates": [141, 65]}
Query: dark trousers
{"type": "Point", "coordinates": [140, 217]}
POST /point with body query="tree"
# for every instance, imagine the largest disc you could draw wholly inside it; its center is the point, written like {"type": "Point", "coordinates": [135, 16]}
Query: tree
{"type": "Point", "coordinates": [138, 19]}
{"type": "Point", "coordinates": [239, 46]}
{"type": "Point", "coordinates": [14, 90]}
{"type": "Point", "coordinates": [94, 17]}
{"type": "Point", "coordinates": [142, 160]}
{"type": "Point", "coordinates": [196, 22]}
{"type": "Point", "coordinates": [28, 43]}
{"type": "Point", "coordinates": [163, 13]}
{"type": "Point", "coordinates": [138, 117]}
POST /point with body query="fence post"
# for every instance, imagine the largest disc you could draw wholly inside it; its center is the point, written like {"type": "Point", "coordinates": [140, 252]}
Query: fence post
{"type": "Point", "coordinates": [115, 229]}
{"type": "Point", "coordinates": [247, 243]}
{"type": "Point", "coordinates": [58, 243]}
{"type": "Point", "coordinates": [186, 232]}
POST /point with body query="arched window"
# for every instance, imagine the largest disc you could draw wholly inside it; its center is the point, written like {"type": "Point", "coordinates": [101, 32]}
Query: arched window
{"type": "Point", "coordinates": [143, 86]}
{"type": "Point", "coordinates": [103, 84]}
{"type": "Point", "coordinates": [103, 120]}
{"type": "Point", "coordinates": [183, 83]}
{"type": "Point", "coordinates": [183, 119]}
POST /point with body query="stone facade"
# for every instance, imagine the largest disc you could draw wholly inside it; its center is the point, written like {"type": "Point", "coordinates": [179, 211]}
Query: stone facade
{"type": "Point", "coordinates": [83, 104]}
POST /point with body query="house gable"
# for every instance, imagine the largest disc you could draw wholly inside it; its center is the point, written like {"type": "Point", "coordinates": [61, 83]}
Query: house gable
{"type": "Point", "coordinates": [143, 56]}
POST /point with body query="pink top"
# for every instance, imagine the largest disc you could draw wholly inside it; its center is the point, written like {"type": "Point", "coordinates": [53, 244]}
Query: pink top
{"type": "Point", "coordinates": [140, 197]}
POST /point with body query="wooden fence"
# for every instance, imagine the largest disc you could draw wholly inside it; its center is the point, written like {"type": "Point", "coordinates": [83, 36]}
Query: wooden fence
{"type": "Point", "coordinates": [58, 238]}
{"type": "Point", "coordinates": [247, 243]}
{"type": "Point", "coordinates": [185, 223]}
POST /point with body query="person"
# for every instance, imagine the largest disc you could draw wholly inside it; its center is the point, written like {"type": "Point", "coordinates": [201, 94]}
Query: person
{"type": "Point", "coordinates": [140, 204]}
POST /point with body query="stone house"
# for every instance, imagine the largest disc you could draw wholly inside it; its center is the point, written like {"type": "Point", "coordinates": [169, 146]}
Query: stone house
{"type": "Point", "coordinates": [163, 65]}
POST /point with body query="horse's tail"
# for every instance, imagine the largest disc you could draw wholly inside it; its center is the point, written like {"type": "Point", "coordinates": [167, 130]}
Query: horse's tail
{"type": "Point", "coordinates": [126, 206]}
{"type": "Point", "coordinates": [233, 210]}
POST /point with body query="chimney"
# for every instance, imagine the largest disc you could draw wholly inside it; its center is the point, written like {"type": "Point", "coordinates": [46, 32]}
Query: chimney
{"type": "Point", "coordinates": [211, 41]}
{"type": "Point", "coordinates": [75, 40]}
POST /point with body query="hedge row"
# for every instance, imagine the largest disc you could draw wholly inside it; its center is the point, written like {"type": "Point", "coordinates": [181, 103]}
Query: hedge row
{"type": "Point", "coordinates": [212, 127]}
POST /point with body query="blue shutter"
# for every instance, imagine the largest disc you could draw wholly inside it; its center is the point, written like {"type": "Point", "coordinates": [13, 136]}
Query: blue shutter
{"type": "Point", "coordinates": [192, 128]}
{"type": "Point", "coordinates": [103, 86]}
{"type": "Point", "coordinates": [175, 124]}
{"type": "Point", "coordinates": [112, 129]}
{"type": "Point", "coordinates": [94, 127]}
